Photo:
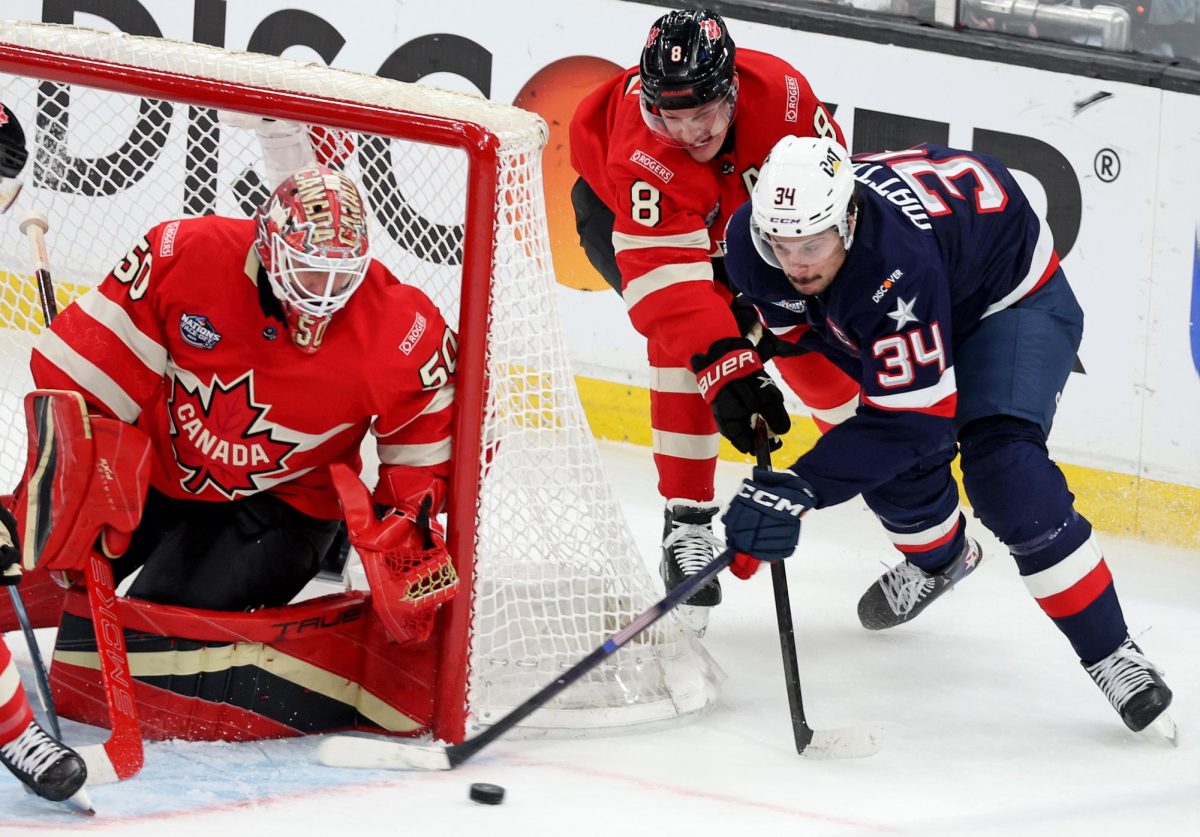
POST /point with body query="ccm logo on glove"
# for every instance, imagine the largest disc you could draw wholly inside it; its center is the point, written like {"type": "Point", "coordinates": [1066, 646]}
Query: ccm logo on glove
{"type": "Point", "coordinates": [773, 501]}
{"type": "Point", "coordinates": [715, 375]}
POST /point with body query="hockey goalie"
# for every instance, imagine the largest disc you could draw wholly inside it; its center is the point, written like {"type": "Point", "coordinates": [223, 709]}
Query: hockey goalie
{"type": "Point", "coordinates": [196, 428]}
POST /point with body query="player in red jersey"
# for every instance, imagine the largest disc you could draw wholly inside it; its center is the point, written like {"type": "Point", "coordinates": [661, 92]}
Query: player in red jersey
{"type": "Point", "coordinates": [664, 158]}
{"type": "Point", "coordinates": [255, 354]}
{"type": "Point", "coordinates": [47, 767]}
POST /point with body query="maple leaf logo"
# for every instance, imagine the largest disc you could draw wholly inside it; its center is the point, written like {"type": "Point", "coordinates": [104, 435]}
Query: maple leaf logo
{"type": "Point", "coordinates": [222, 439]}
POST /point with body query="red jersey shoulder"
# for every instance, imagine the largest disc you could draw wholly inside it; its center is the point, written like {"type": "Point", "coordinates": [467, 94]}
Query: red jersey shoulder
{"type": "Point", "coordinates": [783, 101]}
{"type": "Point", "coordinates": [408, 326]}
{"type": "Point", "coordinates": [207, 247]}
{"type": "Point", "coordinates": [210, 237]}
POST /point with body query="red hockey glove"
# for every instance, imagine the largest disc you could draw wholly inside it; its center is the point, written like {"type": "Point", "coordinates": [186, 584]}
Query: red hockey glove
{"type": "Point", "coordinates": [404, 556]}
{"type": "Point", "coordinates": [744, 566]}
{"type": "Point", "coordinates": [734, 383]}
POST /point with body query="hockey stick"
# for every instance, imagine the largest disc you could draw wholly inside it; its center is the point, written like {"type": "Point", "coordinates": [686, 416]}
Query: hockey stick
{"type": "Point", "coordinates": [353, 751]}
{"type": "Point", "coordinates": [39, 665]}
{"type": "Point", "coordinates": [121, 756]}
{"type": "Point", "coordinates": [845, 743]}
{"type": "Point", "coordinates": [34, 225]}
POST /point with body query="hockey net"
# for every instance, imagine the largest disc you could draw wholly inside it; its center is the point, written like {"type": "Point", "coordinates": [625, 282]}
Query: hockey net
{"type": "Point", "coordinates": [124, 133]}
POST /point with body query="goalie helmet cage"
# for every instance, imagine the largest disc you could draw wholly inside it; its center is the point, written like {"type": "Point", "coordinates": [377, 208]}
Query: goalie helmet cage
{"type": "Point", "coordinates": [125, 134]}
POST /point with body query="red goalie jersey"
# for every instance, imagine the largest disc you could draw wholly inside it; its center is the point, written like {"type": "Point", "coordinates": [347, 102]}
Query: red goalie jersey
{"type": "Point", "coordinates": [184, 340]}
{"type": "Point", "coordinates": [671, 211]}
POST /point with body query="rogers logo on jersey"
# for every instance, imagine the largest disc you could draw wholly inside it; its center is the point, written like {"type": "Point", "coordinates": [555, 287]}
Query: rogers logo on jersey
{"type": "Point", "coordinates": [651, 165]}
{"type": "Point", "coordinates": [792, 111]}
{"type": "Point", "coordinates": [414, 335]}
{"type": "Point", "coordinates": [166, 247]}
{"type": "Point", "coordinates": [221, 438]}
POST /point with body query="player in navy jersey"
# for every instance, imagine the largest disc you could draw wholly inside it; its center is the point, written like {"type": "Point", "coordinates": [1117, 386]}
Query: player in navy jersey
{"type": "Point", "coordinates": [930, 277]}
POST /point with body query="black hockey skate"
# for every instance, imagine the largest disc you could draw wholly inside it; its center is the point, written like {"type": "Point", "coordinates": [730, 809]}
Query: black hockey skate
{"type": "Point", "coordinates": [51, 770]}
{"type": "Point", "coordinates": [905, 590]}
{"type": "Point", "coordinates": [1135, 688]}
{"type": "Point", "coordinates": [688, 546]}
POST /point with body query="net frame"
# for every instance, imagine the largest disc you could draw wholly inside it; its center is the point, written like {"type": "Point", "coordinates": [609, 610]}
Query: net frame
{"type": "Point", "coordinates": [492, 137]}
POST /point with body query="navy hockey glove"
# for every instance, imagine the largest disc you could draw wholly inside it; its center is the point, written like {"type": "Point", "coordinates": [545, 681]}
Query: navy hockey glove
{"type": "Point", "coordinates": [763, 519]}
{"type": "Point", "coordinates": [734, 383]}
{"type": "Point", "coordinates": [10, 549]}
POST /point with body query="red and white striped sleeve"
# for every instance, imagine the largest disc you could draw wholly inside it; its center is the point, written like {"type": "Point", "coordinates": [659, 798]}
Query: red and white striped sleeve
{"type": "Point", "coordinates": [109, 344]}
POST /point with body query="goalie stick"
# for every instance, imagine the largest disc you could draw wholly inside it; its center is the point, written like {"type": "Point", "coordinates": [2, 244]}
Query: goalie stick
{"type": "Point", "coordinates": [34, 226]}
{"type": "Point", "coordinates": [354, 751]}
{"type": "Point", "coordinates": [843, 743]}
{"type": "Point", "coordinates": [121, 755]}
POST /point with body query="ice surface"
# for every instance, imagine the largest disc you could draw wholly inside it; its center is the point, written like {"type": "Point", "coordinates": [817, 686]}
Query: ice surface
{"type": "Point", "coordinates": [991, 726]}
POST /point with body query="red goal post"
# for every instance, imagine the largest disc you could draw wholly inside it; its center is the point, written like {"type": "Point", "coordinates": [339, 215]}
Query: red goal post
{"type": "Point", "coordinates": [124, 134]}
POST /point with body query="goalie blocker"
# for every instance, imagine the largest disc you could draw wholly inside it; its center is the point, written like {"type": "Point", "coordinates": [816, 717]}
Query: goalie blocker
{"type": "Point", "coordinates": [147, 670]}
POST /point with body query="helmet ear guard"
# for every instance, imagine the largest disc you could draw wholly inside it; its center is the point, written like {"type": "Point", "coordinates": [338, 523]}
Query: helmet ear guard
{"type": "Point", "coordinates": [805, 187]}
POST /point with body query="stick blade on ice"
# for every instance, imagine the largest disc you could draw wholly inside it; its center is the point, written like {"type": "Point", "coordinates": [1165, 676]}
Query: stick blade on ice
{"type": "Point", "coordinates": [845, 743]}
{"type": "Point", "coordinates": [353, 751]}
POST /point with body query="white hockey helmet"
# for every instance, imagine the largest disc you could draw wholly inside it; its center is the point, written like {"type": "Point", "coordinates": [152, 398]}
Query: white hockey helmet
{"type": "Point", "coordinates": [804, 188]}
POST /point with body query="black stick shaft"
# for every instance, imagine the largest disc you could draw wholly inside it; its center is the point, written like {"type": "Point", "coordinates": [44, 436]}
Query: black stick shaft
{"type": "Point", "coordinates": [45, 284]}
{"type": "Point", "coordinates": [458, 753]}
{"type": "Point", "coordinates": [46, 295]}
{"type": "Point", "coordinates": [801, 731]}
{"type": "Point", "coordinates": [39, 666]}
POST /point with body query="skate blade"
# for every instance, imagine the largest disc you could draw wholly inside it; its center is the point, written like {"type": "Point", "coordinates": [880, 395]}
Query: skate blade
{"type": "Point", "coordinates": [695, 619]}
{"type": "Point", "coordinates": [1163, 727]}
{"type": "Point", "coordinates": [80, 803]}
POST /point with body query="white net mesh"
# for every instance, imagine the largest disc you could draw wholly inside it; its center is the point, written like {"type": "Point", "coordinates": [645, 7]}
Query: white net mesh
{"type": "Point", "coordinates": [556, 567]}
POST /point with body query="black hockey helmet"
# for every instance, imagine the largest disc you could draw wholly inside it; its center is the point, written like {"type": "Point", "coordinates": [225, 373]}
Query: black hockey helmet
{"type": "Point", "coordinates": [687, 60]}
{"type": "Point", "coordinates": [13, 155]}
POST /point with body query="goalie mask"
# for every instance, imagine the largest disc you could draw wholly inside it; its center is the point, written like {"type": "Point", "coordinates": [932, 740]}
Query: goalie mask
{"type": "Point", "coordinates": [805, 187]}
{"type": "Point", "coordinates": [312, 241]}
{"type": "Point", "coordinates": [13, 155]}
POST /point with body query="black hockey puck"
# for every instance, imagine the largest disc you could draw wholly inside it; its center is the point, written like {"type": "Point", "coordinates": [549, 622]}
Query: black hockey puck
{"type": "Point", "coordinates": [487, 794]}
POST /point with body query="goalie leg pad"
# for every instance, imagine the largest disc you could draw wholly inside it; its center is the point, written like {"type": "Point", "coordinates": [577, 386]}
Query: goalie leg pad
{"type": "Point", "coordinates": [317, 666]}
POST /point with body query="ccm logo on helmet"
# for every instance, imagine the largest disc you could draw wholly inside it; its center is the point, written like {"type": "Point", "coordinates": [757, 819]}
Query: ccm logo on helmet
{"type": "Point", "coordinates": [772, 501]}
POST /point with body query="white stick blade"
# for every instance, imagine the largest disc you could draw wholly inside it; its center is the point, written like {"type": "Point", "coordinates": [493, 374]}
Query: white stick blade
{"type": "Point", "coordinates": [353, 751]}
{"type": "Point", "coordinates": [845, 743]}
{"type": "Point", "coordinates": [100, 770]}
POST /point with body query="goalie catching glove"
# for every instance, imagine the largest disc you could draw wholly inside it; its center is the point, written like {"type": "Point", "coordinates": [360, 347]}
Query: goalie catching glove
{"type": "Point", "coordinates": [404, 556]}
{"type": "Point", "coordinates": [732, 380]}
